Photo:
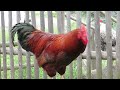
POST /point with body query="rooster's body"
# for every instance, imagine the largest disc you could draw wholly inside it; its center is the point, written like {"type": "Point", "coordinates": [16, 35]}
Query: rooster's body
{"type": "Point", "coordinates": [53, 52]}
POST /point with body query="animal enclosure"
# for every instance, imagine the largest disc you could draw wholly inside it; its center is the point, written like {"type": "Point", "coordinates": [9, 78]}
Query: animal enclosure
{"type": "Point", "coordinates": [16, 63]}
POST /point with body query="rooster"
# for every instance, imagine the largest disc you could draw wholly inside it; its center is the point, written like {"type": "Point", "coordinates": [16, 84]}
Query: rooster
{"type": "Point", "coordinates": [103, 36]}
{"type": "Point", "coordinates": [53, 52]}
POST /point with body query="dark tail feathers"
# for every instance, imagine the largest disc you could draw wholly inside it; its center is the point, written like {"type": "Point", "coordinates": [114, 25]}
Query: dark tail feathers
{"type": "Point", "coordinates": [23, 30]}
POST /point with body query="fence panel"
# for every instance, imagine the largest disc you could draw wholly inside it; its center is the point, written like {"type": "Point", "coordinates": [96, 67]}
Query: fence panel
{"type": "Point", "coordinates": [88, 46]}
{"type": "Point", "coordinates": [10, 45]}
{"type": "Point", "coordinates": [109, 45]}
{"type": "Point", "coordinates": [3, 45]}
{"type": "Point", "coordinates": [60, 21]}
{"type": "Point", "coordinates": [42, 20]}
{"type": "Point", "coordinates": [50, 22]}
{"type": "Point", "coordinates": [118, 46]}
{"type": "Point", "coordinates": [98, 45]}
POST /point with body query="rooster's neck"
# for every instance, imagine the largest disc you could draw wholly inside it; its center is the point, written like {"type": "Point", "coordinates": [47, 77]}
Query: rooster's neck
{"type": "Point", "coordinates": [73, 33]}
{"type": "Point", "coordinates": [72, 40]}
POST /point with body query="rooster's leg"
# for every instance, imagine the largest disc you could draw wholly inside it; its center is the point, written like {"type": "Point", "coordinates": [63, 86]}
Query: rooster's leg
{"type": "Point", "coordinates": [62, 77]}
{"type": "Point", "coordinates": [51, 77]}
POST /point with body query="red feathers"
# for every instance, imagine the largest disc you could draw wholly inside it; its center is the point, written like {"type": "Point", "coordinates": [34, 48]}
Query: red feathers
{"type": "Point", "coordinates": [55, 52]}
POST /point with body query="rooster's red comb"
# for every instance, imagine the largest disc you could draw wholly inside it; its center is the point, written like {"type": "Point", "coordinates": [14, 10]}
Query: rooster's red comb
{"type": "Point", "coordinates": [101, 21]}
